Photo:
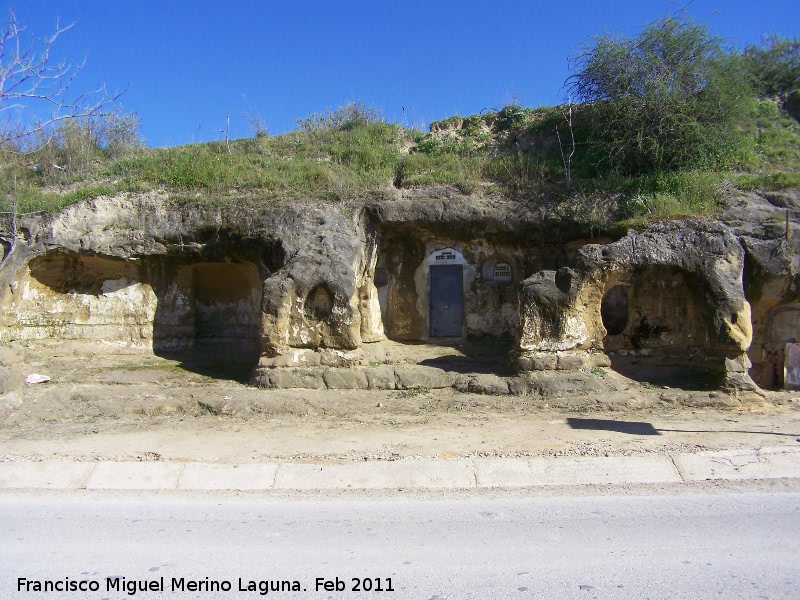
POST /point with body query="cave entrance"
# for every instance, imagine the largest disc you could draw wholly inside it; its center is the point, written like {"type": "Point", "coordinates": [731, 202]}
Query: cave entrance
{"type": "Point", "coordinates": [209, 317]}
{"type": "Point", "coordinates": [784, 333]}
{"type": "Point", "coordinates": [227, 319]}
{"type": "Point", "coordinates": [614, 310]}
{"type": "Point", "coordinates": [227, 303]}
{"type": "Point", "coordinates": [656, 327]}
{"type": "Point", "coordinates": [75, 296]}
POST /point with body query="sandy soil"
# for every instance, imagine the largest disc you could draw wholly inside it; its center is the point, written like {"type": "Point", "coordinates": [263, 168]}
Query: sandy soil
{"type": "Point", "coordinates": [108, 402]}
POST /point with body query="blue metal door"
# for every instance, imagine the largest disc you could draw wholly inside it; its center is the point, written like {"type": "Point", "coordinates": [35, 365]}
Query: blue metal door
{"type": "Point", "coordinates": [446, 284]}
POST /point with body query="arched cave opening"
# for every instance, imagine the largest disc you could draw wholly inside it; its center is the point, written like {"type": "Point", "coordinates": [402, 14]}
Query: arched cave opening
{"type": "Point", "coordinates": [656, 330]}
{"type": "Point", "coordinates": [209, 317]}
{"type": "Point", "coordinates": [227, 303]}
{"type": "Point", "coordinates": [774, 366]}
{"type": "Point", "coordinates": [318, 303]}
{"type": "Point", "coordinates": [614, 310]}
{"type": "Point", "coordinates": [71, 296]}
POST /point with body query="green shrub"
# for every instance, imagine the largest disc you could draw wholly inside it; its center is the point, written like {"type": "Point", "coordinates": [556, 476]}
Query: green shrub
{"type": "Point", "coordinates": [777, 138]}
{"type": "Point", "coordinates": [773, 67]}
{"type": "Point", "coordinates": [522, 172]}
{"type": "Point", "coordinates": [346, 116]}
{"type": "Point", "coordinates": [464, 136]}
{"type": "Point", "coordinates": [669, 98]}
{"type": "Point", "coordinates": [513, 116]}
{"type": "Point", "coordinates": [673, 195]}
{"type": "Point", "coordinates": [119, 133]}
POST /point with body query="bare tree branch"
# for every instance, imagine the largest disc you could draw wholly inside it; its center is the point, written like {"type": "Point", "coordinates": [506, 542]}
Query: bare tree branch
{"type": "Point", "coordinates": [36, 94]}
{"type": "Point", "coordinates": [35, 89]}
{"type": "Point", "coordinates": [567, 159]}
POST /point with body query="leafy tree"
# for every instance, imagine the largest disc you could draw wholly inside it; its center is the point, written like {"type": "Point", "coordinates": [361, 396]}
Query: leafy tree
{"type": "Point", "coordinates": [671, 97]}
{"type": "Point", "coordinates": [774, 67]}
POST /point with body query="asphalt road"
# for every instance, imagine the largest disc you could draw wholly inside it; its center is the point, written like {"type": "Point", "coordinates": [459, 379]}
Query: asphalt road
{"type": "Point", "coordinates": [731, 545]}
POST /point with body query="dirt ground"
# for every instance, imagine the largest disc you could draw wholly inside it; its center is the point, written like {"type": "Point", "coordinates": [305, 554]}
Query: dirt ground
{"type": "Point", "coordinates": [108, 402]}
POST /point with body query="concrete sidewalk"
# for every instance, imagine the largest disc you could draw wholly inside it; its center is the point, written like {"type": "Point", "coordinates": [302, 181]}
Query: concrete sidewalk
{"type": "Point", "coordinates": [410, 474]}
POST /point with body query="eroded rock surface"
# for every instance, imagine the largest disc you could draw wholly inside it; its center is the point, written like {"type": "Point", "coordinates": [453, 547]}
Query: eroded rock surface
{"type": "Point", "coordinates": [670, 295]}
{"type": "Point", "coordinates": [295, 296]}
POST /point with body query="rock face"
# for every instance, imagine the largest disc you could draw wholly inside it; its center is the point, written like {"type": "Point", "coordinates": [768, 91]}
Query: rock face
{"type": "Point", "coordinates": [488, 246]}
{"type": "Point", "coordinates": [145, 271]}
{"type": "Point", "coordinates": [767, 227]}
{"type": "Point", "coordinates": [10, 377]}
{"type": "Point", "coordinates": [668, 296]}
{"type": "Point", "coordinates": [317, 289]}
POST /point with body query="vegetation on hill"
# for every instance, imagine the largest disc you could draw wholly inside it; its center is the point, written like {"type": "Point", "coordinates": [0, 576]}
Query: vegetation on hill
{"type": "Point", "coordinates": [656, 126]}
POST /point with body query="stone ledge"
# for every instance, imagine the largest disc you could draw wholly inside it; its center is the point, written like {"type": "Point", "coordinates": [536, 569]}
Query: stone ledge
{"type": "Point", "coordinates": [383, 377]}
{"type": "Point", "coordinates": [562, 361]}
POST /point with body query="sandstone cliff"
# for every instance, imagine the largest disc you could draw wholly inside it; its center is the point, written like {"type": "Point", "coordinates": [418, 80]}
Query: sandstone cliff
{"type": "Point", "coordinates": [323, 285]}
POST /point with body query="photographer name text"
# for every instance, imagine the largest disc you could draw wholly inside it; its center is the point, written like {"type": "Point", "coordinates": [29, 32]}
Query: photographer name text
{"type": "Point", "coordinates": [178, 585]}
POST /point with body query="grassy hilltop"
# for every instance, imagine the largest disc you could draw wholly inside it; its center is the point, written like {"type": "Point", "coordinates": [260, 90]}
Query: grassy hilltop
{"type": "Point", "coordinates": [657, 134]}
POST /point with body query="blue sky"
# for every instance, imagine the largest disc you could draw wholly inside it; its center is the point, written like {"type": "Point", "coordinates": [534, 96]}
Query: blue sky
{"type": "Point", "coordinates": [189, 64]}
